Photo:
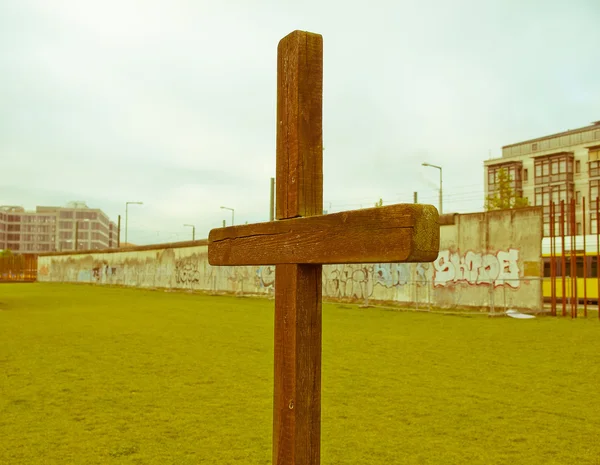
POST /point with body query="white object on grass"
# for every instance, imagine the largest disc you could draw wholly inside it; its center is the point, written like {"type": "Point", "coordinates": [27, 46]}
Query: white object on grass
{"type": "Point", "coordinates": [519, 315]}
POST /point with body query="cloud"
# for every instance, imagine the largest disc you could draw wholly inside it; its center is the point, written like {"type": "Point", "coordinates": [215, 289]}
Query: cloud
{"type": "Point", "coordinates": [173, 103]}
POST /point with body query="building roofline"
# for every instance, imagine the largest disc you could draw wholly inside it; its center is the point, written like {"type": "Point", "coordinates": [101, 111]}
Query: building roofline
{"type": "Point", "coordinates": [594, 125]}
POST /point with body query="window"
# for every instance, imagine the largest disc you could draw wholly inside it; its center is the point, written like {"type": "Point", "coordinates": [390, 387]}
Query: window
{"type": "Point", "coordinates": [514, 171]}
{"type": "Point", "coordinates": [555, 168]}
{"type": "Point", "coordinates": [578, 197]}
{"type": "Point", "coordinates": [594, 161]}
{"type": "Point", "coordinates": [579, 229]}
{"type": "Point", "coordinates": [534, 147]}
{"type": "Point", "coordinates": [525, 175]}
{"type": "Point", "coordinates": [577, 166]}
{"type": "Point", "coordinates": [66, 214]}
{"type": "Point", "coordinates": [547, 268]}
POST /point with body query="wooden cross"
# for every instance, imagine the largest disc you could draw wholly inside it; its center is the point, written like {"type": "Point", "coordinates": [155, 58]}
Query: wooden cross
{"type": "Point", "coordinates": [303, 240]}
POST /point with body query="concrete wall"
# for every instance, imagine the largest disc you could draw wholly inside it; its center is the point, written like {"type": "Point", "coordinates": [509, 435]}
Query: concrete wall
{"type": "Point", "coordinates": [486, 260]}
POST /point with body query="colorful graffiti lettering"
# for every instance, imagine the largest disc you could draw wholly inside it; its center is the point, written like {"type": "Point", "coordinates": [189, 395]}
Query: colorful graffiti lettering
{"type": "Point", "coordinates": [476, 268]}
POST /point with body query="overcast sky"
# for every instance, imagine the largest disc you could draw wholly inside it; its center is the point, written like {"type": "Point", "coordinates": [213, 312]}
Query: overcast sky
{"type": "Point", "coordinates": [173, 102]}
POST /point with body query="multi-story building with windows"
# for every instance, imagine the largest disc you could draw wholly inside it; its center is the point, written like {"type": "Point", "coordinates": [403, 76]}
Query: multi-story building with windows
{"type": "Point", "coordinates": [50, 229]}
{"type": "Point", "coordinates": [549, 169]}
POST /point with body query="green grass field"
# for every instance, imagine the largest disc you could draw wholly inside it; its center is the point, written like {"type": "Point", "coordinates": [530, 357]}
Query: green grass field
{"type": "Point", "coordinates": [94, 375]}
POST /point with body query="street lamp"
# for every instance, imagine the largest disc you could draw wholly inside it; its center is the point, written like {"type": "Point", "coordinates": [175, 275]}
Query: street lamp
{"type": "Point", "coordinates": [232, 213]}
{"type": "Point", "coordinates": [439, 168]}
{"type": "Point", "coordinates": [193, 230]}
{"type": "Point", "coordinates": [127, 214]}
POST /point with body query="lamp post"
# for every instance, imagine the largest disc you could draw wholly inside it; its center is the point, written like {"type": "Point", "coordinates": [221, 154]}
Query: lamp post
{"type": "Point", "coordinates": [193, 230]}
{"type": "Point", "coordinates": [127, 215]}
{"type": "Point", "coordinates": [439, 168]}
{"type": "Point", "coordinates": [232, 213]}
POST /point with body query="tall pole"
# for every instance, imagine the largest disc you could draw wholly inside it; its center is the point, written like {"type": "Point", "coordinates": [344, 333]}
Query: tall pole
{"type": "Point", "coordinates": [232, 214]}
{"type": "Point", "coordinates": [272, 203]}
{"type": "Point", "coordinates": [76, 235]}
{"type": "Point", "coordinates": [585, 259]}
{"type": "Point", "coordinates": [441, 194]}
{"type": "Point", "coordinates": [563, 258]}
{"type": "Point", "coordinates": [119, 233]}
{"type": "Point", "coordinates": [193, 230]}
{"type": "Point", "coordinates": [127, 216]}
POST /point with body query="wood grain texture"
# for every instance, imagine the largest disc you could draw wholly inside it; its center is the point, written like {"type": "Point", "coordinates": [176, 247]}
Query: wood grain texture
{"type": "Point", "coordinates": [299, 125]}
{"type": "Point", "coordinates": [395, 233]}
{"type": "Point", "coordinates": [297, 392]}
{"type": "Point", "coordinates": [299, 192]}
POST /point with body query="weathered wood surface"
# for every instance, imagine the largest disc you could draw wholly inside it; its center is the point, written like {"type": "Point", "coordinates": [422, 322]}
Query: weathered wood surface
{"type": "Point", "coordinates": [299, 125]}
{"type": "Point", "coordinates": [299, 192]}
{"type": "Point", "coordinates": [395, 233]}
{"type": "Point", "coordinates": [302, 241]}
{"type": "Point", "coordinates": [297, 390]}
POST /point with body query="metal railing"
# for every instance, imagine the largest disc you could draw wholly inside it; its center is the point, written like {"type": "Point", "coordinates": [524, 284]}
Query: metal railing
{"type": "Point", "coordinates": [18, 268]}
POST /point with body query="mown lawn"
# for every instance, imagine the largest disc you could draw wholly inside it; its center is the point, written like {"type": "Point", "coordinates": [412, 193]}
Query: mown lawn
{"type": "Point", "coordinates": [93, 375]}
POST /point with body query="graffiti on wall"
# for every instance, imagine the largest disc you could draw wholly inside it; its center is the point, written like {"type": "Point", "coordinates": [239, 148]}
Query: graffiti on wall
{"type": "Point", "coordinates": [477, 268]}
{"type": "Point", "coordinates": [265, 277]}
{"type": "Point", "coordinates": [348, 281]}
{"type": "Point", "coordinates": [186, 271]}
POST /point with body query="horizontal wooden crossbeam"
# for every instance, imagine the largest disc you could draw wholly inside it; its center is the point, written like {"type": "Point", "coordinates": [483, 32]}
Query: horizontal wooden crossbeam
{"type": "Point", "coordinates": [395, 233]}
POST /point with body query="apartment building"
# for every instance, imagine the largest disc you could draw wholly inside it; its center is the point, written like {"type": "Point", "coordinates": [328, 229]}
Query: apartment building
{"type": "Point", "coordinates": [552, 168]}
{"type": "Point", "coordinates": [49, 229]}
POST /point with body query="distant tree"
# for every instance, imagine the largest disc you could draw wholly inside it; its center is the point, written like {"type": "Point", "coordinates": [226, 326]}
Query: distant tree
{"type": "Point", "coordinates": [379, 204]}
{"type": "Point", "coordinates": [504, 196]}
{"type": "Point", "coordinates": [6, 253]}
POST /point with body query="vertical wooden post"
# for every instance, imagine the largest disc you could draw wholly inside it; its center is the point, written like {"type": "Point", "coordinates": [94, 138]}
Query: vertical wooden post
{"type": "Point", "coordinates": [585, 259]}
{"type": "Point", "coordinates": [272, 201]}
{"type": "Point", "coordinates": [563, 258]}
{"type": "Point", "coordinates": [299, 192]}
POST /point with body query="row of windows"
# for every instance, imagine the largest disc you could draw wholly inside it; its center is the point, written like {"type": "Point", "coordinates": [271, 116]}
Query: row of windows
{"type": "Point", "coordinates": [30, 247]}
{"type": "Point", "coordinates": [37, 238]}
{"type": "Point", "coordinates": [33, 228]}
{"type": "Point", "coordinates": [83, 226]}
{"type": "Point", "coordinates": [38, 219]}
{"type": "Point", "coordinates": [554, 168]}
{"type": "Point", "coordinates": [591, 266]}
{"type": "Point", "coordinates": [513, 171]}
